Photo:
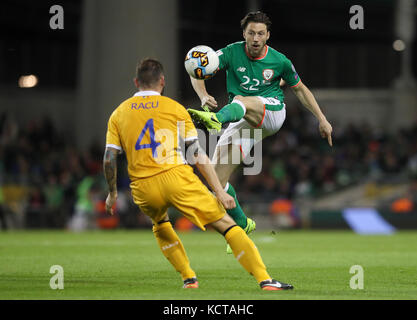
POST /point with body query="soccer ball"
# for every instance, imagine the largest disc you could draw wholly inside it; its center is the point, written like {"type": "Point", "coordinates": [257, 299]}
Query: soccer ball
{"type": "Point", "coordinates": [201, 62]}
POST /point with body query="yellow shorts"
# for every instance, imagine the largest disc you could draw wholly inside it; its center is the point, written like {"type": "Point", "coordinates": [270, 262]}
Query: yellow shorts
{"type": "Point", "coordinates": [181, 188]}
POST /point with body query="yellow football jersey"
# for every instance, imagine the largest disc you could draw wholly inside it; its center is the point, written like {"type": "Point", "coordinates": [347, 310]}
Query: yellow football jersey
{"type": "Point", "coordinates": [151, 129]}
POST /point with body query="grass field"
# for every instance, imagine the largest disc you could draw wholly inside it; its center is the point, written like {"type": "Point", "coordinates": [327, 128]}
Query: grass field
{"type": "Point", "coordinates": [129, 265]}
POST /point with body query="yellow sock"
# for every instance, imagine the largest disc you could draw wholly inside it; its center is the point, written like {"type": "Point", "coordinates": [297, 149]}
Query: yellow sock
{"type": "Point", "coordinates": [246, 253]}
{"type": "Point", "coordinates": [172, 248]}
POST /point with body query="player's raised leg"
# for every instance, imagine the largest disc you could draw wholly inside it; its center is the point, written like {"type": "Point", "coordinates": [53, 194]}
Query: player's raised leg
{"type": "Point", "coordinates": [255, 109]}
{"type": "Point", "coordinates": [247, 254]}
{"type": "Point", "coordinates": [250, 108]}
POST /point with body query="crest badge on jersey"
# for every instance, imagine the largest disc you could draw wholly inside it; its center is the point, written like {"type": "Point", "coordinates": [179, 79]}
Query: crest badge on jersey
{"type": "Point", "coordinates": [268, 74]}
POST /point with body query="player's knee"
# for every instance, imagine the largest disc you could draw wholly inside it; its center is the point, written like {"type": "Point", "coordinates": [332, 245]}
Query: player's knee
{"type": "Point", "coordinates": [228, 220]}
{"type": "Point", "coordinates": [249, 103]}
{"type": "Point", "coordinates": [223, 224]}
{"type": "Point", "coordinates": [156, 225]}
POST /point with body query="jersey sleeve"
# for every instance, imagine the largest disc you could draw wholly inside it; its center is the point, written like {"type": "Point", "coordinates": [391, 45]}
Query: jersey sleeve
{"type": "Point", "coordinates": [289, 73]}
{"type": "Point", "coordinates": [112, 136]}
{"type": "Point", "coordinates": [224, 57]}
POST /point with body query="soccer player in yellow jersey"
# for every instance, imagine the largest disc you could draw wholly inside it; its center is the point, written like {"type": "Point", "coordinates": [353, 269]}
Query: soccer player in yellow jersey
{"type": "Point", "coordinates": [155, 131]}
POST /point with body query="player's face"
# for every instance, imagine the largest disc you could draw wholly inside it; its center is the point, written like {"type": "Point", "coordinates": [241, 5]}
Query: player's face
{"type": "Point", "coordinates": [256, 36]}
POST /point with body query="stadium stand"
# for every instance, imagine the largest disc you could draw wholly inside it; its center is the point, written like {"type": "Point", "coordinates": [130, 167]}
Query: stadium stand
{"type": "Point", "coordinates": [47, 182]}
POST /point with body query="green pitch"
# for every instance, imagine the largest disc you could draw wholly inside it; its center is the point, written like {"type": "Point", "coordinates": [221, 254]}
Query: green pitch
{"type": "Point", "coordinates": [129, 265]}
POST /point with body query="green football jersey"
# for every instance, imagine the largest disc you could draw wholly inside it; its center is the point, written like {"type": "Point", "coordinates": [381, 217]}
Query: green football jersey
{"type": "Point", "coordinates": [256, 77]}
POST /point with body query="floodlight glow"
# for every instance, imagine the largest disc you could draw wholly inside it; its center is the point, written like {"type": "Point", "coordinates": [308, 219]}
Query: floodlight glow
{"type": "Point", "coordinates": [28, 81]}
{"type": "Point", "coordinates": [398, 45]}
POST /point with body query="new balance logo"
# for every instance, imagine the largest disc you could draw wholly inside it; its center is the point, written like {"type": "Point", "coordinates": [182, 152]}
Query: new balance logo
{"type": "Point", "coordinates": [241, 69]}
{"type": "Point", "coordinates": [215, 120]}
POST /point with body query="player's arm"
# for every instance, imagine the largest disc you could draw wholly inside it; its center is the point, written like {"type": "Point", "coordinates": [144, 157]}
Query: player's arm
{"type": "Point", "coordinates": [110, 173]}
{"type": "Point", "coordinates": [199, 87]}
{"type": "Point", "coordinates": [307, 99]}
{"type": "Point", "coordinates": [206, 168]}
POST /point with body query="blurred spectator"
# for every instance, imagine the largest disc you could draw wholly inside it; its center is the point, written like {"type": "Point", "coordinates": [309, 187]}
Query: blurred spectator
{"type": "Point", "coordinates": [183, 224]}
{"type": "Point", "coordinates": [3, 221]}
{"type": "Point", "coordinates": [283, 213]}
{"type": "Point", "coordinates": [103, 219]}
{"type": "Point", "coordinates": [84, 207]}
{"type": "Point", "coordinates": [35, 211]}
{"type": "Point", "coordinates": [8, 129]}
{"type": "Point", "coordinates": [402, 205]}
{"type": "Point", "coordinates": [54, 194]}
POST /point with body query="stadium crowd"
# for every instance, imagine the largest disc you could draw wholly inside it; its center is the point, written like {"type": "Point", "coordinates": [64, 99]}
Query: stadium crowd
{"type": "Point", "coordinates": [298, 162]}
{"type": "Point", "coordinates": [52, 183]}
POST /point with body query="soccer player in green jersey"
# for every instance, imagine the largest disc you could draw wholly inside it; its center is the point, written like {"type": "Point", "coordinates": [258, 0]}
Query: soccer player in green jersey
{"type": "Point", "coordinates": [253, 74]}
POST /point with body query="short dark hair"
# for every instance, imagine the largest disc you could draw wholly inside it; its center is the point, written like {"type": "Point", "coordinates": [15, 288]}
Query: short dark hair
{"type": "Point", "coordinates": [148, 72]}
{"type": "Point", "coordinates": [258, 17]}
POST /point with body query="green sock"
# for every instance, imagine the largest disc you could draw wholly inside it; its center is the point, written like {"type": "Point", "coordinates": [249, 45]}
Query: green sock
{"type": "Point", "coordinates": [236, 213]}
{"type": "Point", "coordinates": [231, 112]}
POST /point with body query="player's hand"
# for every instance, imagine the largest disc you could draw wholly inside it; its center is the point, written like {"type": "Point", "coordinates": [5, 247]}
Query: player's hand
{"type": "Point", "coordinates": [227, 200]}
{"type": "Point", "coordinates": [326, 129]}
{"type": "Point", "coordinates": [209, 101]}
{"type": "Point", "coordinates": [110, 201]}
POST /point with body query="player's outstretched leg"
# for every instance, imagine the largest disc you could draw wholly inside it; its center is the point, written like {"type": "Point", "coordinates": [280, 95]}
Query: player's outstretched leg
{"type": "Point", "coordinates": [247, 254]}
{"type": "Point", "coordinates": [172, 248]}
{"type": "Point", "coordinates": [247, 224]}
